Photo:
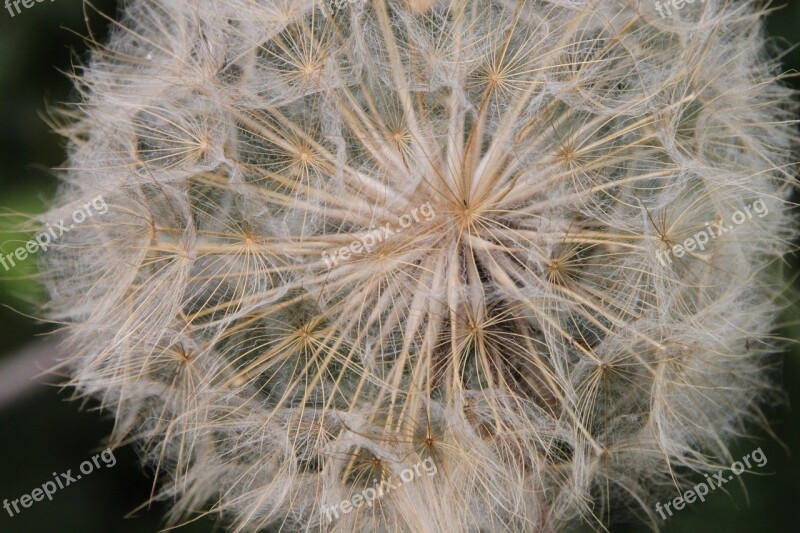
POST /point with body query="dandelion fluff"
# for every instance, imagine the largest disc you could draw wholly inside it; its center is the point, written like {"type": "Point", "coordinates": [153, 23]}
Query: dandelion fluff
{"type": "Point", "coordinates": [542, 328]}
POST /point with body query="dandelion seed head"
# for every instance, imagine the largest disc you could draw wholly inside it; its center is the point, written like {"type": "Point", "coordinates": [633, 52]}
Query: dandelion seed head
{"type": "Point", "coordinates": [533, 332]}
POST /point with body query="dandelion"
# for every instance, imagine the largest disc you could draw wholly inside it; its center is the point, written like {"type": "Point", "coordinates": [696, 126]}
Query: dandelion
{"type": "Point", "coordinates": [526, 340]}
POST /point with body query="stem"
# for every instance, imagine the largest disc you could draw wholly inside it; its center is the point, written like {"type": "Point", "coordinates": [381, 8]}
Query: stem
{"type": "Point", "coordinates": [23, 371]}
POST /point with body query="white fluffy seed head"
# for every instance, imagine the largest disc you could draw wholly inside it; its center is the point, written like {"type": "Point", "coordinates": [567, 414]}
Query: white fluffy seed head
{"type": "Point", "coordinates": [532, 317]}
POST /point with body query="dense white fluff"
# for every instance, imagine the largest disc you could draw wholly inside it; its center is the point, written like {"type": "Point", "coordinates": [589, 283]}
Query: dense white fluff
{"type": "Point", "coordinates": [536, 334]}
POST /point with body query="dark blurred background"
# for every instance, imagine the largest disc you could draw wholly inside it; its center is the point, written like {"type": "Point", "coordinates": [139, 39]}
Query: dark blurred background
{"type": "Point", "coordinates": [41, 432]}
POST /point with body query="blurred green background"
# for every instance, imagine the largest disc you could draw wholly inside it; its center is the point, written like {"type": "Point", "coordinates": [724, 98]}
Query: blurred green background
{"type": "Point", "coordinates": [42, 432]}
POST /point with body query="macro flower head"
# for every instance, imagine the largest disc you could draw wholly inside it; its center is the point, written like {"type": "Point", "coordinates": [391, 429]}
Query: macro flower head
{"type": "Point", "coordinates": [529, 338]}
